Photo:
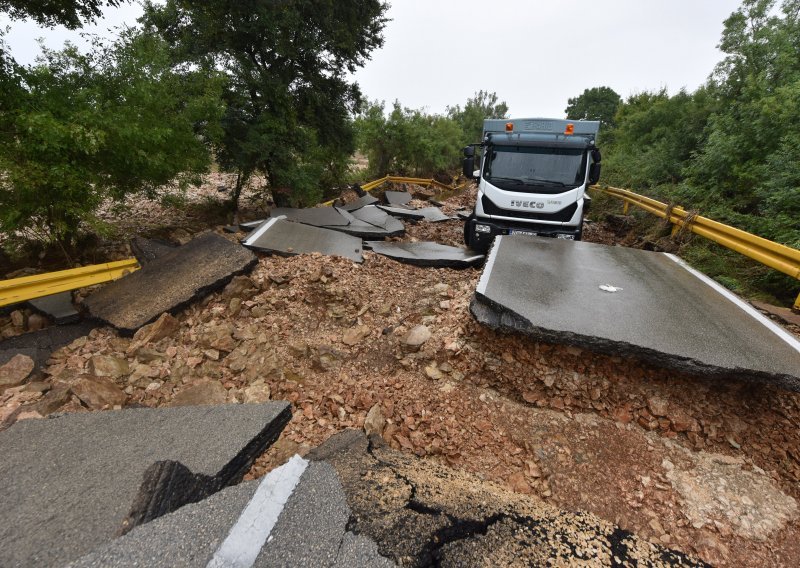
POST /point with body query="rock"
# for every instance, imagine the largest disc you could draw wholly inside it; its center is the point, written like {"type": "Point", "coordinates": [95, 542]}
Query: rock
{"type": "Point", "coordinates": [355, 335]}
{"type": "Point", "coordinates": [37, 322]}
{"type": "Point", "coordinates": [416, 337]}
{"type": "Point", "coordinates": [375, 421]}
{"type": "Point", "coordinates": [241, 287]}
{"type": "Point", "coordinates": [433, 372]}
{"type": "Point", "coordinates": [16, 371]}
{"type": "Point", "coordinates": [163, 327]}
{"type": "Point", "coordinates": [219, 337]}
{"type": "Point", "coordinates": [518, 483]}
{"type": "Point", "coordinates": [204, 392]}
{"type": "Point", "coordinates": [682, 421]}
{"type": "Point", "coordinates": [181, 236]}
{"type": "Point", "coordinates": [146, 355]}
{"type": "Point", "coordinates": [658, 406]}
{"type": "Point", "coordinates": [107, 366]}
{"type": "Point", "coordinates": [18, 319]}
{"type": "Point", "coordinates": [98, 392]}
{"type": "Point", "coordinates": [235, 306]}
{"type": "Point", "coordinates": [257, 392]}
{"type": "Point", "coordinates": [53, 400]}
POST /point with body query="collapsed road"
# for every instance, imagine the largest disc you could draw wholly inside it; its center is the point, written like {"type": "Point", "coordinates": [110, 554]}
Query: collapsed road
{"type": "Point", "coordinates": [392, 349]}
{"type": "Point", "coordinates": [629, 302]}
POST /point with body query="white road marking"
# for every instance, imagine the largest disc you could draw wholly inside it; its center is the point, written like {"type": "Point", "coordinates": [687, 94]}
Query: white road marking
{"type": "Point", "coordinates": [251, 530]}
{"type": "Point", "coordinates": [750, 310]}
{"type": "Point", "coordinates": [487, 269]}
{"type": "Point", "coordinates": [261, 230]}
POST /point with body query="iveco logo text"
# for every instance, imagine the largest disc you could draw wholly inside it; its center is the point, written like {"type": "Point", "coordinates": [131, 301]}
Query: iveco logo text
{"type": "Point", "coordinates": [536, 204]}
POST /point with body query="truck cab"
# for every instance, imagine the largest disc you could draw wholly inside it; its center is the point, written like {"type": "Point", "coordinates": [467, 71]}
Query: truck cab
{"type": "Point", "coordinates": [532, 178]}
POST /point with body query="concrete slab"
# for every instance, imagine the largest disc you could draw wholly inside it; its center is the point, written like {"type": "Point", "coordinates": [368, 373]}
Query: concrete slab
{"type": "Point", "coordinates": [170, 282]}
{"type": "Point", "coordinates": [68, 484]}
{"type": "Point", "coordinates": [427, 254]}
{"type": "Point", "coordinates": [430, 214]}
{"type": "Point", "coordinates": [633, 303]}
{"type": "Point", "coordinates": [396, 198]}
{"type": "Point", "coordinates": [284, 237]}
{"type": "Point", "coordinates": [362, 201]}
{"type": "Point", "coordinates": [315, 216]}
{"type": "Point", "coordinates": [57, 306]}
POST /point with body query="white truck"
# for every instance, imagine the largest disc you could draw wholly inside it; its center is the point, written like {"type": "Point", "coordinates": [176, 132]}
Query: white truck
{"type": "Point", "coordinates": [532, 178]}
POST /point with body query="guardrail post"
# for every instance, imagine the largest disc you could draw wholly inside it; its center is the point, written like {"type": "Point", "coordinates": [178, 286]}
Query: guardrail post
{"type": "Point", "coordinates": [797, 303]}
{"type": "Point", "coordinates": [625, 207]}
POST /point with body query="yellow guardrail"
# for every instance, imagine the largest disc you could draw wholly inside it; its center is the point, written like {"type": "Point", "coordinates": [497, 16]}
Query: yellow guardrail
{"type": "Point", "coordinates": [780, 257]}
{"type": "Point", "coordinates": [39, 285]}
{"type": "Point", "coordinates": [369, 186]}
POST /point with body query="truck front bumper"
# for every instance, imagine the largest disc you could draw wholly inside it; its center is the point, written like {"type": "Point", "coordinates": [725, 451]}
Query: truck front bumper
{"type": "Point", "coordinates": [483, 231]}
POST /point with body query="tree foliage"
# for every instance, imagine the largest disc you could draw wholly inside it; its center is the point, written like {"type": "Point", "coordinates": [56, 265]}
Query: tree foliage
{"type": "Point", "coordinates": [470, 119]}
{"type": "Point", "coordinates": [732, 147]}
{"type": "Point", "coordinates": [288, 97]}
{"type": "Point", "coordinates": [410, 141]}
{"type": "Point", "coordinates": [69, 13]}
{"type": "Point", "coordinates": [81, 129]}
{"type": "Point", "coordinates": [597, 103]}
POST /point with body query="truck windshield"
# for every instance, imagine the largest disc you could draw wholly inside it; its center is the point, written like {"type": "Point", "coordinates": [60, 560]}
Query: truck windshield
{"type": "Point", "coordinates": [535, 169]}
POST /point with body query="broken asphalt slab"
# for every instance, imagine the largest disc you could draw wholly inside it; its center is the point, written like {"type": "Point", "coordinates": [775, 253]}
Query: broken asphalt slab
{"type": "Point", "coordinates": [362, 201]}
{"type": "Point", "coordinates": [397, 198]}
{"type": "Point", "coordinates": [170, 282]}
{"type": "Point", "coordinates": [38, 345]}
{"type": "Point", "coordinates": [73, 483]}
{"type": "Point", "coordinates": [148, 250]}
{"type": "Point", "coordinates": [631, 303]}
{"type": "Point", "coordinates": [361, 229]}
{"type": "Point", "coordinates": [315, 216]}
{"type": "Point", "coordinates": [284, 237]}
{"type": "Point", "coordinates": [356, 502]}
{"type": "Point", "coordinates": [57, 306]}
{"type": "Point", "coordinates": [427, 254]}
{"type": "Point", "coordinates": [431, 214]}
{"type": "Point", "coordinates": [295, 516]}
{"type": "Point", "coordinates": [379, 218]}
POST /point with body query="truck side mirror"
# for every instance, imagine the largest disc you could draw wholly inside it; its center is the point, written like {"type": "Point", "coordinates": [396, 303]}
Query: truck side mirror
{"type": "Point", "coordinates": [469, 151]}
{"type": "Point", "coordinates": [469, 167]}
{"type": "Point", "coordinates": [594, 173]}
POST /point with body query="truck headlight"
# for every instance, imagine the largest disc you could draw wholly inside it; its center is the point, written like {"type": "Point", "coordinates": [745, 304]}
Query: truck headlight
{"type": "Point", "coordinates": [483, 229]}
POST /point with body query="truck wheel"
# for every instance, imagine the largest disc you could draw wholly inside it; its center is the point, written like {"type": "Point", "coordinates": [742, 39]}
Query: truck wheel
{"type": "Point", "coordinates": [579, 235]}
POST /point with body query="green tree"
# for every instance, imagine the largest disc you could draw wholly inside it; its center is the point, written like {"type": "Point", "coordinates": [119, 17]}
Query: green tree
{"type": "Point", "coordinates": [478, 108]}
{"type": "Point", "coordinates": [597, 103]}
{"type": "Point", "coordinates": [69, 13]}
{"type": "Point", "coordinates": [408, 141]}
{"type": "Point", "coordinates": [83, 129]}
{"type": "Point", "coordinates": [289, 101]}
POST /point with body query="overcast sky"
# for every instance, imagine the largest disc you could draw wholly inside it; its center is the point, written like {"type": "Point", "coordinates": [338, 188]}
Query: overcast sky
{"type": "Point", "coordinates": [533, 54]}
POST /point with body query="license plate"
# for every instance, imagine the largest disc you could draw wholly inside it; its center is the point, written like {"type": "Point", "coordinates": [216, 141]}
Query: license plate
{"type": "Point", "coordinates": [520, 232]}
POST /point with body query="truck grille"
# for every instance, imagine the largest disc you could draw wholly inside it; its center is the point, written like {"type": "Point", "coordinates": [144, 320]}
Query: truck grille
{"type": "Point", "coordinates": [561, 216]}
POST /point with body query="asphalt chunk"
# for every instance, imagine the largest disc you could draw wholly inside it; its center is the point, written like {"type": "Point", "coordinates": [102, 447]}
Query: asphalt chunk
{"type": "Point", "coordinates": [70, 483]}
{"type": "Point", "coordinates": [631, 303]}
{"type": "Point", "coordinates": [170, 282]}
{"type": "Point", "coordinates": [427, 254]}
{"type": "Point", "coordinates": [288, 238]}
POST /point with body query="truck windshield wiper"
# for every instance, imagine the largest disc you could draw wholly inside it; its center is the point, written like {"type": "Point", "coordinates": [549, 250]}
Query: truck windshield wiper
{"type": "Point", "coordinates": [500, 178]}
{"type": "Point", "coordinates": [537, 181]}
